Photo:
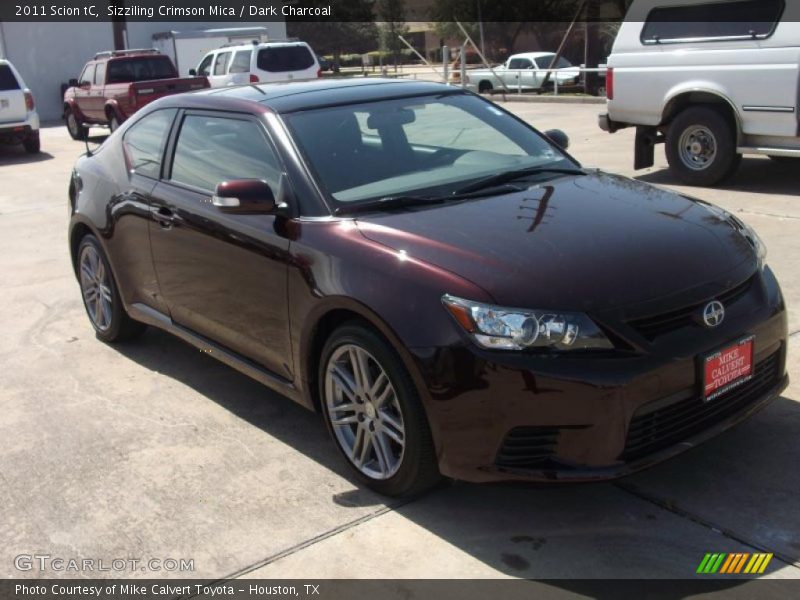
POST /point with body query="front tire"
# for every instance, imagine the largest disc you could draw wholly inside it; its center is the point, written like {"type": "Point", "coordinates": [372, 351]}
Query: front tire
{"type": "Point", "coordinates": [373, 413]}
{"type": "Point", "coordinates": [701, 147]}
{"type": "Point", "coordinates": [74, 125]}
{"type": "Point", "coordinates": [100, 295]}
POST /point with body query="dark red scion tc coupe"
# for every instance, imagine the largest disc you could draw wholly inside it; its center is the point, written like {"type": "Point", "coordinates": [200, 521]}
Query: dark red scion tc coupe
{"type": "Point", "coordinates": [444, 283]}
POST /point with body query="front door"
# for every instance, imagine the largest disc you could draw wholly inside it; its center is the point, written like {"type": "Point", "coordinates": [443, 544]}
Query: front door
{"type": "Point", "coordinates": [222, 275]}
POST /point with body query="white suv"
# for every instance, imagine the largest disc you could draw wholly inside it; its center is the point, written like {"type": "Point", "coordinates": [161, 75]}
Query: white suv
{"type": "Point", "coordinates": [19, 122]}
{"type": "Point", "coordinates": [263, 62]}
{"type": "Point", "coordinates": [712, 79]}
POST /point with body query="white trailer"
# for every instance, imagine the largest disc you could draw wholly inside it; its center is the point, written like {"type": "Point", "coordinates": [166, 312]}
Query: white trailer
{"type": "Point", "coordinates": [187, 48]}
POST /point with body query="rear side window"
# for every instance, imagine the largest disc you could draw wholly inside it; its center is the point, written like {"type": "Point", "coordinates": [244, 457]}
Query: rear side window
{"type": "Point", "coordinates": [280, 59]}
{"type": "Point", "coordinates": [7, 79]}
{"type": "Point", "coordinates": [241, 61]}
{"type": "Point", "coordinates": [211, 150]}
{"type": "Point", "coordinates": [144, 142]}
{"type": "Point", "coordinates": [710, 21]}
{"type": "Point", "coordinates": [222, 63]}
{"type": "Point", "coordinates": [140, 69]}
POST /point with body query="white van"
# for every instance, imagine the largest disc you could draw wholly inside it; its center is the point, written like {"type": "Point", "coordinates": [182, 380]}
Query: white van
{"type": "Point", "coordinates": [712, 79]}
{"type": "Point", "coordinates": [259, 62]}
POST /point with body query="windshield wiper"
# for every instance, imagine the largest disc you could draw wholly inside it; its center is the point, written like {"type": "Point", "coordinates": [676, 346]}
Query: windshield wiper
{"type": "Point", "coordinates": [390, 202]}
{"type": "Point", "coordinates": [509, 176]}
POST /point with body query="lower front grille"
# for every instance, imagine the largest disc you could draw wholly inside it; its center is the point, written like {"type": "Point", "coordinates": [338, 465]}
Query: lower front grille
{"type": "Point", "coordinates": [651, 431]}
{"type": "Point", "coordinates": [528, 447]}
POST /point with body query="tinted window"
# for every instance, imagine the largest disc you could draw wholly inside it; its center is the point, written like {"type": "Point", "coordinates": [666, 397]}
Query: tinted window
{"type": "Point", "coordinates": [519, 63]}
{"type": "Point", "coordinates": [140, 69]}
{"type": "Point", "coordinates": [211, 150]}
{"type": "Point", "coordinates": [7, 79]}
{"type": "Point", "coordinates": [100, 74]}
{"type": "Point", "coordinates": [285, 58]}
{"type": "Point", "coordinates": [425, 146]}
{"type": "Point", "coordinates": [241, 61]}
{"type": "Point", "coordinates": [144, 142]}
{"type": "Point", "coordinates": [543, 62]}
{"type": "Point", "coordinates": [222, 63]}
{"type": "Point", "coordinates": [713, 20]}
{"type": "Point", "coordinates": [205, 66]}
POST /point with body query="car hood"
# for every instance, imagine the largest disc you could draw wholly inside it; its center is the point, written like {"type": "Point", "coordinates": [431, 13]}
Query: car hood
{"type": "Point", "coordinates": [591, 242]}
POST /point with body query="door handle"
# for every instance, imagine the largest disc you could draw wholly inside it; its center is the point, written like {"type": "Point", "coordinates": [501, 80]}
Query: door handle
{"type": "Point", "coordinates": [164, 217]}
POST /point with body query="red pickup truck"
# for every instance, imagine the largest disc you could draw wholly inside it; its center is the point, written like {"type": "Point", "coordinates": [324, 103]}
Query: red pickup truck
{"type": "Point", "coordinates": [115, 84]}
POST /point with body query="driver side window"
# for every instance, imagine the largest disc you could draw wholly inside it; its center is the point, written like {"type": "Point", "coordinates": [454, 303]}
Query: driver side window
{"type": "Point", "coordinates": [205, 67]}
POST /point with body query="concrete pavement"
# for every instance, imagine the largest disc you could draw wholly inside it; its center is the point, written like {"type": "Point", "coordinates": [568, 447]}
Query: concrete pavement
{"type": "Point", "coordinates": [154, 450]}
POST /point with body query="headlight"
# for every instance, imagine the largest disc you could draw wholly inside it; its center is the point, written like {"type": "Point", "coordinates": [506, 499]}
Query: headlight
{"type": "Point", "coordinates": [743, 228]}
{"type": "Point", "coordinates": [499, 328]}
{"type": "Point", "coordinates": [755, 241]}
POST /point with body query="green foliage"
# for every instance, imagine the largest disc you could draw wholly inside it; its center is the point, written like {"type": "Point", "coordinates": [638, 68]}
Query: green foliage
{"type": "Point", "coordinates": [392, 14]}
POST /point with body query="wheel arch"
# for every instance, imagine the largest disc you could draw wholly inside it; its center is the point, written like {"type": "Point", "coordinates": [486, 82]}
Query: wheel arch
{"type": "Point", "coordinates": [321, 325]}
{"type": "Point", "coordinates": [680, 100]}
{"type": "Point", "coordinates": [77, 232]}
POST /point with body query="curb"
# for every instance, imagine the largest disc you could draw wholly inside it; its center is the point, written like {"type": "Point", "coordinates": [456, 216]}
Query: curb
{"type": "Point", "coordinates": [547, 99]}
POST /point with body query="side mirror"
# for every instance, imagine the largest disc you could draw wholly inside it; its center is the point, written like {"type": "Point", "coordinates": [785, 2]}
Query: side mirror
{"type": "Point", "coordinates": [245, 196]}
{"type": "Point", "coordinates": [193, 72]}
{"type": "Point", "coordinates": [73, 82]}
{"type": "Point", "coordinates": [558, 137]}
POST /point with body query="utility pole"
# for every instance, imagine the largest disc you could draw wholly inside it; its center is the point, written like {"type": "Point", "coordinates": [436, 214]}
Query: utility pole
{"type": "Point", "coordinates": [480, 27]}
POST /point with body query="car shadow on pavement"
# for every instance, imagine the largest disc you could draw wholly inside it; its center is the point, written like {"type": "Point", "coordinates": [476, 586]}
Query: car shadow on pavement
{"type": "Point", "coordinates": [736, 493]}
{"type": "Point", "coordinates": [759, 175]}
{"type": "Point", "coordinates": [16, 155]}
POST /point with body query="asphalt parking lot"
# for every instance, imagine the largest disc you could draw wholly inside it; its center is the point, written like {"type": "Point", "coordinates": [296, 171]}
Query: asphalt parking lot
{"type": "Point", "coordinates": [154, 450]}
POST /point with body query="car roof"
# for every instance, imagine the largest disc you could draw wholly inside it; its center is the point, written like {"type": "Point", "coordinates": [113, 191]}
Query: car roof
{"type": "Point", "coordinates": [251, 45]}
{"type": "Point", "coordinates": [295, 96]}
{"type": "Point", "coordinates": [531, 54]}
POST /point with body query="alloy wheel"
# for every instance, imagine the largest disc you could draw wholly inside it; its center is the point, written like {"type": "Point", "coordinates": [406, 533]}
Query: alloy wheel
{"type": "Point", "coordinates": [364, 412]}
{"type": "Point", "coordinates": [96, 288]}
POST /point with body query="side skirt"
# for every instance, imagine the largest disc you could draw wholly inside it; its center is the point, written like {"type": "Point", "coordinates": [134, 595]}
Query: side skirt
{"type": "Point", "coordinates": [150, 316]}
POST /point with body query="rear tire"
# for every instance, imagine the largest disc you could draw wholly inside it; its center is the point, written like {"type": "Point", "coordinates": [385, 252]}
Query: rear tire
{"type": "Point", "coordinates": [701, 147]}
{"type": "Point", "coordinates": [101, 297]}
{"type": "Point", "coordinates": [32, 144]}
{"type": "Point", "coordinates": [375, 405]}
{"type": "Point", "coordinates": [74, 125]}
{"type": "Point", "coordinates": [485, 87]}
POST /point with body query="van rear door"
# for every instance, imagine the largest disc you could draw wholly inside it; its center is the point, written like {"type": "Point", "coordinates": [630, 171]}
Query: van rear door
{"type": "Point", "coordinates": [12, 98]}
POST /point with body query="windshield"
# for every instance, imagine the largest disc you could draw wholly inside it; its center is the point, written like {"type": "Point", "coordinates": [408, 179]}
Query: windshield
{"type": "Point", "coordinates": [431, 145]}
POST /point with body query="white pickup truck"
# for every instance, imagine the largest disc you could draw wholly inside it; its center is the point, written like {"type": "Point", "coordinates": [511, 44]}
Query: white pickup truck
{"type": "Point", "coordinates": [19, 123]}
{"type": "Point", "coordinates": [712, 79]}
{"type": "Point", "coordinates": [523, 72]}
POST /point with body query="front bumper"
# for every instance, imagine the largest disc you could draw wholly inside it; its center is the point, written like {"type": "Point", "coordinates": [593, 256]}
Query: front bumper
{"type": "Point", "coordinates": [511, 416]}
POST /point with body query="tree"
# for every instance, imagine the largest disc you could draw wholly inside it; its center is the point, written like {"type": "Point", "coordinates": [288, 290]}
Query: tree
{"type": "Point", "coordinates": [354, 30]}
{"type": "Point", "coordinates": [393, 15]}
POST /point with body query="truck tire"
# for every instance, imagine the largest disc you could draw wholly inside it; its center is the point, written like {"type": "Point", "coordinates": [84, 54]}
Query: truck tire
{"type": "Point", "coordinates": [74, 125]}
{"type": "Point", "coordinates": [485, 87]}
{"type": "Point", "coordinates": [701, 147]}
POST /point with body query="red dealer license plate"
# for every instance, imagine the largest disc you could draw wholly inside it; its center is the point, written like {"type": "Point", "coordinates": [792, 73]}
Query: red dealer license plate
{"type": "Point", "coordinates": [728, 368]}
